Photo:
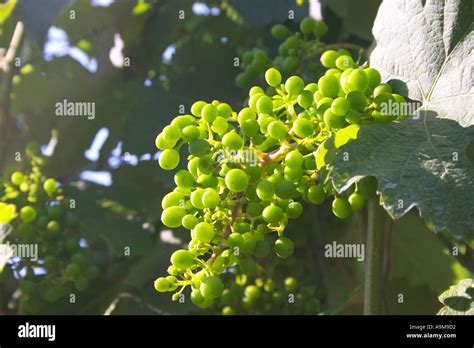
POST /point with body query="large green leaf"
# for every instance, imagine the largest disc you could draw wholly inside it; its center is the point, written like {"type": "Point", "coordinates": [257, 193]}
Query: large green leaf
{"type": "Point", "coordinates": [458, 299]}
{"type": "Point", "coordinates": [421, 161]}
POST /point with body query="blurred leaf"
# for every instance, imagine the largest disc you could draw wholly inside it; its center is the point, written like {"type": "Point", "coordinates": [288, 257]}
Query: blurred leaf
{"type": "Point", "coordinates": [6, 9]}
{"type": "Point", "coordinates": [458, 299]}
{"type": "Point", "coordinates": [7, 213]}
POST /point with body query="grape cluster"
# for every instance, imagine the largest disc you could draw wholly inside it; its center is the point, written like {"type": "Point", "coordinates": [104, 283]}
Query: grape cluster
{"type": "Point", "coordinates": [248, 171]}
{"type": "Point", "coordinates": [269, 296]}
{"type": "Point", "coordinates": [44, 218]}
{"type": "Point", "coordinates": [295, 53]}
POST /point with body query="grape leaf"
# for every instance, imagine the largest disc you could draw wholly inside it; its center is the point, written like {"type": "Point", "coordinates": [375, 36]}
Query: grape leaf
{"type": "Point", "coordinates": [421, 161]}
{"type": "Point", "coordinates": [458, 299]}
{"type": "Point", "coordinates": [6, 10]}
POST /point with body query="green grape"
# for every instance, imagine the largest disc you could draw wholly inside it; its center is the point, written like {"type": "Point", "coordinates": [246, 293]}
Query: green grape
{"type": "Point", "coordinates": [291, 284]}
{"type": "Point", "coordinates": [209, 113]}
{"type": "Point", "coordinates": [284, 247]}
{"type": "Point", "coordinates": [53, 228]}
{"type": "Point", "coordinates": [197, 107]}
{"type": "Point", "coordinates": [294, 85]}
{"type": "Point", "coordinates": [236, 180]}
{"type": "Point", "coordinates": [189, 221]}
{"type": "Point", "coordinates": [273, 77]}
{"type": "Point", "coordinates": [199, 148]}
{"type": "Point", "coordinates": [305, 99]}
{"type": "Point", "coordinates": [252, 293]}
{"type": "Point", "coordinates": [17, 178]}
{"type": "Point", "coordinates": [294, 159]}
{"type": "Point", "coordinates": [184, 179]}
{"type": "Point", "coordinates": [285, 189]}
{"type": "Point", "coordinates": [316, 194]}
{"type": "Point", "coordinates": [211, 199]}
{"type": "Point", "coordinates": [373, 76]}
{"type": "Point", "coordinates": [232, 141]}
{"type": "Point", "coordinates": [224, 110]}
{"type": "Point", "coordinates": [220, 125]}
{"type": "Point", "coordinates": [172, 199]}
{"type": "Point", "coordinates": [344, 62]}
{"type": "Point", "coordinates": [357, 201]}
{"type": "Point", "coordinates": [279, 31]}
{"type": "Point", "coordinates": [250, 128]}
{"type": "Point", "coordinates": [265, 190]}
{"type": "Point", "coordinates": [163, 144]}
{"type": "Point", "coordinates": [294, 210]}
{"type": "Point", "coordinates": [329, 86]}
{"type": "Point", "coordinates": [182, 259]}
{"type": "Point", "coordinates": [211, 287]}
{"type": "Point", "coordinates": [333, 121]}
{"type": "Point", "coordinates": [357, 81]}
{"type": "Point", "coordinates": [264, 105]}
{"type": "Point", "coordinates": [72, 270]}
{"type": "Point", "coordinates": [303, 127]}
{"type": "Point", "coordinates": [172, 216]}
{"type": "Point", "coordinates": [340, 106]}
{"type": "Point", "coordinates": [247, 57]}
{"type": "Point", "coordinates": [341, 208]}
{"type": "Point", "coordinates": [277, 130]}
{"type": "Point", "coordinates": [272, 214]}
{"type": "Point", "coordinates": [162, 284]}
{"type": "Point", "coordinates": [196, 198]}
{"type": "Point", "coordinates": [328, 59]}
{"type": "Point", "coordinates": [189, 134]}
{"type": "Point", "coordinates": [50, 187]}
{"type": "Point", "coordinates": [246, 114]}
{"type": "Point", "coordinates": [320, 28]}
{"type": "Point", "coordinates": [28, 214]}
{"type": "Point", "coordinates": [228, 310]}
{"type": "Point", "coordinates": [248, 266]}
{"type": "Point", "coordinates": [169, 159]}
{"type": "Point", "coordinates": [357, 99]}
{"type": "Point", "coordinates": [81, 283]}
{"type": "Point", "coordinates": [248, 244]}
{"type": "Point", "coordinates": [353, 117]}
{"type": "Point", "coordinates": [204, 232]}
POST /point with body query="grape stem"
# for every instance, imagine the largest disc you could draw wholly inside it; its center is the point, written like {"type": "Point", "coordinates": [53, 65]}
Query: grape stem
{"type": "Point", "coordinates": [377, 224]}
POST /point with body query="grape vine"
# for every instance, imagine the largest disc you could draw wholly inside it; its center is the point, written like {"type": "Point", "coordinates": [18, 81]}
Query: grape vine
{"type": "Point", "coordinates": [249, 170]}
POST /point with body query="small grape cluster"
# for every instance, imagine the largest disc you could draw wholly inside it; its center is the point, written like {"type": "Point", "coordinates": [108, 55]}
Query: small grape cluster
{"type": "Point", "coordinates": [45, 218]}
{"type": "Point", "coordinates": [295, 53]}
{"type": "Point", "coordinates": [237, 209]}
{"type": "Point", "coordinates": [269, 296]}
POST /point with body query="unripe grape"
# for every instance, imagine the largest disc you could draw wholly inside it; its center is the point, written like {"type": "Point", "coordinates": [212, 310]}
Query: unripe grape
{"type": "Point", "coordinates": [172, 199]}
{"type": "Point", "coordinates": [279, 31]}
{"type": "Point", "coordinates": [294, 210]}
{"type": "Point", "coordinates": [250, 128]}
{"type": "Point", "coordinates": [277, 130]}
{"type": "Point", "coordinates": [303, 127]}
{"type": "Point", "coordinates": [196, 198]}
{"type": "Point", "coordinates": [316, 194]}
{"type": "Point", "coordinates": [320, 28]}
{"type": "Point", "coordinates": [248, 266]}
{"type": "Point", "coordinates": [172, 216]}
{"type": "Point", "coordinates": [333, 121]}
{"type": "Point", "coordinates": [307, 25]}
{"type": "Point", "coordinates": [264, 105]}
{"type": "Point", "coordinates": [328, 59]}
{"type": "Point", "coordinates": [163, 144]}
{"type": "Point", "coordinates": [28, 214]}
{"type": "Point", "coordinates": [17, 178]}
{"type": "Point", "coordinates": [189, 221]}
{"type": "Point", "coordinates": [220, 125]}
{"type": "Point", "coordinates": [265, 190]}
{"type": "Point", "coordinates": [199, 148]}
{"type": "Point", "coordinates": [329, 86]}
{"type": "Point", "coordinates": [341, 208]}
{"type": "Point", "coordinates": [171, 133]}
{"type": "Point", "coordinates": [357, 81]}
{"type": "Point", "coordinates": [291, 284]}
{"type": "Point", "coordinates": [190, 133]}
{"type": "Point", "coordinates": [209, 113]}
{"type": "Point", "coordinates": [204, 232]}
{"type": "Point", "coordinates": [211, 287]}
{"type": "Point", "coordinates": [284, 247]}
{"type": "Point", "coordinates": [233, 141]}
{"type": "Point", "coordinates": [169, 159]}
{"type": "Point", "coordinates": [368, 186]}
{"type": "Point", "coordinates": [357, 99]}
{"type": "Point", "coordinates": [184, 179]}
{"type": "Point", "coordinates": [290, 64]}
{"type": "Point", "coordinates": [357, 201]}
{"type": "Point", "coordinates": [344, 62]}
{"type": "Point", "coordinates": [197, 107]}
{"type": "Point", "coordinates": [50, 187]}
{"type": "Point", "coordinates": [294, 85]}
{"type": "Point", "coordinates": [236, 180]}
{"type": "Point", "coordinates": [340, 106]}
{"type": "Point", "coordinates": [273, 77]}
{"type": "Point", "coordinates": [305, 99]}
{"type": "Point", "coordinates": [161, 284]}
{"type": "Point", "coordinates": [272, 214]}
{"type": "Point", "coordinates": [373, 76]}
{"type": "Point", "coordinates": [211, 199]}
{"type": "Point", "coordinates": [182, 259]}
{"type": "Point", "coordinates": [294, 159]}
{"type": "Point", "coordinates": [227, 310]}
